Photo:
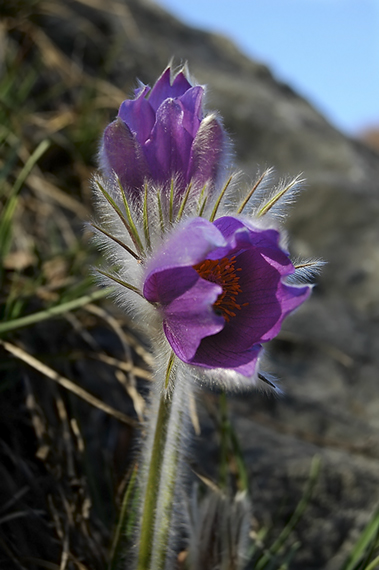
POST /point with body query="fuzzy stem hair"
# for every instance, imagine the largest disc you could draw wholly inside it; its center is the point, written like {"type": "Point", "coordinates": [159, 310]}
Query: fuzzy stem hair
{"type": "Point", "coordinates": [156, 535]}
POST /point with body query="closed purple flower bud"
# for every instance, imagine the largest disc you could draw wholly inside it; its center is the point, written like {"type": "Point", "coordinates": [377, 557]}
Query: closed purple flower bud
{"type": "Point", "coordinates": [222, 292]}
{"type": "Point", "coordinates": [162, 135]}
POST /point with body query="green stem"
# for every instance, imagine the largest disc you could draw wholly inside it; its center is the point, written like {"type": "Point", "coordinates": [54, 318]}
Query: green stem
{"type": "Point", "coordinates": [224, 429]}
{"type": "Point", "coordinates": [170, 471]}
{"type": "Point", "coordinates": [153, 484]}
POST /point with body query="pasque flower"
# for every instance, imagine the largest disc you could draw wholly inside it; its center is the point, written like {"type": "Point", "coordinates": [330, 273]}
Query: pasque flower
{"type": "Point", "coordinates": [162, 135]}
{"type": "Point", "coordinates": [212, 279]}
{"type": "Point", "coordinates": [220, 287]}
{"type": "Point", "coordinates": [200, 264]}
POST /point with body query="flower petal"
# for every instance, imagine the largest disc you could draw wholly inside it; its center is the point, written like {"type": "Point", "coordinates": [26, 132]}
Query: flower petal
{"type": "Point", "coordinates": [207, 152]}
{"type": "Point", "coordinates": [168, 149]}
{"type": "Point", "coordinates": [290, 297]}
{"type": "Point", "coordinates": [211, 355]}
{"type": "Point", "coordinates": [191, 103]}
{"type": "Point", "coordinates": [163, 88]}
{"type": "Point", "coordinates": [186, 247]}
{"type": "Point", "coordinates": [122, 154]}
{"type": "Point", "coordinates": [138, 115]}
{"type": "Point", "coordinates": [190, 318]}
{"type": "Point", "coordinates": [166, 285]}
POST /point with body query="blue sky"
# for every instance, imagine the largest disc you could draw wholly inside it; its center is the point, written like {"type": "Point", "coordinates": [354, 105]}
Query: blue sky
{"type": "Point", "coordinates": [328, 50]}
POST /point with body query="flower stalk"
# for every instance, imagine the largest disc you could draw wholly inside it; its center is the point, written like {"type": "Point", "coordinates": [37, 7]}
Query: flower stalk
{"type": "Point", "coordinates": [153, 486]}
{"type": "Point", "coordinates": [163, 473]}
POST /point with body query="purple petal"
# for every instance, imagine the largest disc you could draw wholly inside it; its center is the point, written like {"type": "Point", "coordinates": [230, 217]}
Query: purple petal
{"type": "Point", "coordinates": [142, 89]}
{"type": "Point", "coordinates": [190, 318]}
{"type": "Point", "coordinates": [259, 284]}
{"type": "Point", "coordinates": [269, 302]}
{"type": "Point", "coordinates": [266, 241]}
{"type": "Point", "coordinates": [180, 85]}
{"type": "Point", "coordinates": [211, 355]}
{"type": "Point", "coordinates": [207, 152]}
{"type": "Point", "coordinates": [122, 154]}
{"type": "Point", "coordinates": [166, 285]}
{"type": "Point", "coordinates": [290, 297]}
{"type": "Point", "coordinates": [188, 246]}
{"type": "Point", "coordinates": [229, 225]}
{"type": "Point", "coordinates": [168, 149]}
{"type": "Point", "coordinates": [138, 115]}
{"type": "Point", "coordinates": [163, 89]}
{"type": "Point", "coordinates": [191, 103]}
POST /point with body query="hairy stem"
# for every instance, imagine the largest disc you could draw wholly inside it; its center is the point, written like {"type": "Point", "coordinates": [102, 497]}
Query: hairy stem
{"type": "Point", "coordinates": [152, 485]}
{"type": "Point", "coordinates": [157, 530]}
{"type": "Point", "coordinates": [170, 477]}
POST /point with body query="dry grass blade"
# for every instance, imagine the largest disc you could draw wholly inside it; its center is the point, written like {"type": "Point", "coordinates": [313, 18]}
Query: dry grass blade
{"type": "Point", "coordinates": [131, 389]}
{"type": "Point", "coordinates": [66, 383]}
{"type": "Point", "coordinates": [124, 366]}
{"type": "Point", "coordinates": [47, 190]}
{"type": "Point", "coordinates": [113, 323]}
{"type": "Point", "coordinates": [11, 555]}
{"type": "Point", "coordinates": [43, 563]}
{"type": "Point", "coordinates": [71, 73]}
{"type": "Point", "coordinates": [128, 381]}
{"type": "Point", "coordinates": [77, 563]}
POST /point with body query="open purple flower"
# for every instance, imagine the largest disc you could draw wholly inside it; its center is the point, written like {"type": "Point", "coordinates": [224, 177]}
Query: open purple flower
{"type": "Point", "coordinates": [162, 135]}
{"type": "Point", "coordinates": [222, 292]}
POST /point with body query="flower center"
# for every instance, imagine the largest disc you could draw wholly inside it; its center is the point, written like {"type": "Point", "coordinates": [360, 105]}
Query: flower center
{"type": "Point", "coordinates": [223, 272]}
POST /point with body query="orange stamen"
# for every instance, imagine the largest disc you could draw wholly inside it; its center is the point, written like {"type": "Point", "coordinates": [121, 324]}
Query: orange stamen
{"type": "Point", "coordinates": [223, 272]}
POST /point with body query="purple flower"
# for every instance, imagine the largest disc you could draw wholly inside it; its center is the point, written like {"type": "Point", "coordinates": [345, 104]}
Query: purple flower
{"type": "Point", "coordinates": [221, 290]}
{"type": "Point", "coordinates": [161, 136]}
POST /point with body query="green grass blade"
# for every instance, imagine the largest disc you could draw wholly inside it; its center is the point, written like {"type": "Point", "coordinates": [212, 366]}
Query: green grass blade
{"type": "Point", "coordinates": [10, 207]}
{"type": "Point", "coordinates": [224, 447]}
{"type": "Point", "coordinates": [125, 523]}
{"type": "Point", "coordinates": [302, 505]}
{"type": "Point", "coordinates": [53, 311]}
{"type": "Point", "coordinates": [369, 534]}
{"type": "Point", "coordinates": [243, 479]}
{"type": "Point", "coordinates": [374, 565]}
{"type": "Point", "coordinates": [285, 565]}
{"type": "Point", "coordinates": [230, 444]}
